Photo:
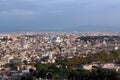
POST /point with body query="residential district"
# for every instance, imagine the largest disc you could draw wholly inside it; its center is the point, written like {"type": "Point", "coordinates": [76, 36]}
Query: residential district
{"type": "Point", "coordinates": [22, 54]}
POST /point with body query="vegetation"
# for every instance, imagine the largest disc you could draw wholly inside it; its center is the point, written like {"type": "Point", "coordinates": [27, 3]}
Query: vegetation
{"type": "Point", "coordinates": [51, 72]}
{"type": "Point", "coordinates": [103, 57]}
{"type": "Point", "coordinates": [66, 69]}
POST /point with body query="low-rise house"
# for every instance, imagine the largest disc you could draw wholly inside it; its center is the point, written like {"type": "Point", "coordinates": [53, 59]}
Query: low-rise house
{"type": "Point", "coordinates": [111, 66]}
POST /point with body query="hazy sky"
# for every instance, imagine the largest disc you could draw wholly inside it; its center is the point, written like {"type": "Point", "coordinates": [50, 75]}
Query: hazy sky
{"type": "Point", "coordinates": [59, 15]}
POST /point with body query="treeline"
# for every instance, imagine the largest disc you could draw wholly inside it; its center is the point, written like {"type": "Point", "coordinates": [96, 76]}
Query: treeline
{"type": "Point", "coordinates": [52, 72]}
{"type": "Point", "coordinates": [107, 38]}
{"type": "Point", "coordinates": [66, 69]}
{"type": "Point", "coordinates": [95, 74]}
{"type": "Point", "coordinates": [47, 72]}
{"type": "Point", "coordinates": [103, 57]}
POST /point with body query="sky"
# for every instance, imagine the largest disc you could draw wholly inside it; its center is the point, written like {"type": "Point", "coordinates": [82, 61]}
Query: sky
{"type": "Point", "coordinates": [59, 15]}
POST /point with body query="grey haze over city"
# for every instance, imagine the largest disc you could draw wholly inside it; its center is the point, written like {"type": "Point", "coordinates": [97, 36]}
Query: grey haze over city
{"type": "Point", "coordinates": [59, 15]}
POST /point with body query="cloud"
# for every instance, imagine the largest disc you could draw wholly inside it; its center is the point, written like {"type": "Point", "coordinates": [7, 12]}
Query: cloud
{"type": "Point", "coordinates": [48, 1]}
{"type": "Point", "coordinates": [3, 12]}
{"type": "Point", "coordinates": [21, 12]}
{"type": "Point", "coordinates": [63, 13]}
{"type": "Point", "coordinates": [17, 12]}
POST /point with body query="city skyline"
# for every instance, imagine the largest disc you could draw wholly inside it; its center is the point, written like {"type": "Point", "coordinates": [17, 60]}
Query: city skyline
{"type": "Point", "coordinates": [59, 16]}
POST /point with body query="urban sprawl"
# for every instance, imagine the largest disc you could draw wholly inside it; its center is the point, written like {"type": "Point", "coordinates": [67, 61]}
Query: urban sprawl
{"type": "Point", "coordinates": [21, 54]}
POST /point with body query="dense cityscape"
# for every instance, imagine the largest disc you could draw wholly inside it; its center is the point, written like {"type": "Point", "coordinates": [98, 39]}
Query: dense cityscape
{"type": "Point", "coordinates": [59, 39]}
{"type": "Point", "coordinates": [59, 56]}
